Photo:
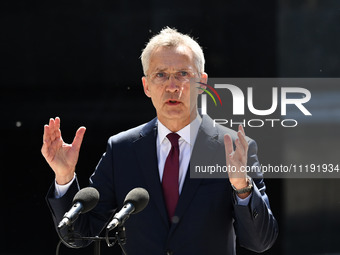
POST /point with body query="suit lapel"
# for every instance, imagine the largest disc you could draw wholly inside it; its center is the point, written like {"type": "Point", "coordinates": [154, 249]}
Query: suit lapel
{"type": "Point", "coordinates": [205, 144]}
{"type": "Point", "coordinates": [145, 148]}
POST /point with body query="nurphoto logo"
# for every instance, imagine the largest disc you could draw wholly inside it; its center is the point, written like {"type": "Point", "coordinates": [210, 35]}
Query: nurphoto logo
{"type": "Point", "coordinates": [281, 97]}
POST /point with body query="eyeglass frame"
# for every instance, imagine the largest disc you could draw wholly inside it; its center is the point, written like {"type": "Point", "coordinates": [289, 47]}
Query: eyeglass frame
{"type": "Point", "coordinates": [168, 74]}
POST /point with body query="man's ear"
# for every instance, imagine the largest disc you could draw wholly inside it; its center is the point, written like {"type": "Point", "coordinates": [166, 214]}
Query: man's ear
{"type": "Point", "coordinates": [204, 77]}
{"type": "Point", "coordinates": [203, 80]}
{"type": "Point", "coordinates": [146, 86]}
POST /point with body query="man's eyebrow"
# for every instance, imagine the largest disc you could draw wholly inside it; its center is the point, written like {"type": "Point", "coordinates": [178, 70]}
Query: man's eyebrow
{"type": "Point", "coordinates": [160, 69]}
{"type": "Point", "coordinates": [177, 70]}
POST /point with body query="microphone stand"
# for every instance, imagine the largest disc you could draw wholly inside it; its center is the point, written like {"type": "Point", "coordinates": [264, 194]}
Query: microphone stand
{"type": "Point", "coordinates": [96, 248]}
{"type": "Point", "coordinates": [96, 240]}
{"type": "Point", "coordinates": [71, 237]}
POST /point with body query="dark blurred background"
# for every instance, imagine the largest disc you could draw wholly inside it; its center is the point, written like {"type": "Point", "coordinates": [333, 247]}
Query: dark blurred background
{"type": "Point", "coordinates": [79, 60]}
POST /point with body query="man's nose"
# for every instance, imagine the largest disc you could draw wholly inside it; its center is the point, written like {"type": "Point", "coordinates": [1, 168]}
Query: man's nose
{"type": "Point", "coordinates": [172, 84]}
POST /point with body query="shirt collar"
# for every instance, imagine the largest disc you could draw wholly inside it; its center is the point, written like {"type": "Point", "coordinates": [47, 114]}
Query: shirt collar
{"type": "Point", "coordinates": [188, 133]}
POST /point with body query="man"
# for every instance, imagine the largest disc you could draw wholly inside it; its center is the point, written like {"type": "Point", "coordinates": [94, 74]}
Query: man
{"type": "Point", "coordinates": [184, 215]}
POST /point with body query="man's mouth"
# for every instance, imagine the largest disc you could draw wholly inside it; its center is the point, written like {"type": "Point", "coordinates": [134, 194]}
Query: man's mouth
{"type": "Point", "coordinates": [172, 102]}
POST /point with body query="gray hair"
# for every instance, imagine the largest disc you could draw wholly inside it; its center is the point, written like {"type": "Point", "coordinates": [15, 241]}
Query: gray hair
{"type": "Point", "coordinates": [171, 38]}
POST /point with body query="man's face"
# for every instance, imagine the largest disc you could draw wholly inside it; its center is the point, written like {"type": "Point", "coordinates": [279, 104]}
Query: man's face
{"type": "Point", "coordinates": [168, 85]}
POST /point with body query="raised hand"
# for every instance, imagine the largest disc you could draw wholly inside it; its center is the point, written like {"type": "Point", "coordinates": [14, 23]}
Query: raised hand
{"type": "Point", "coordinates": [237, 159]}
{"type": "Point", "coordinates": [61, 157]}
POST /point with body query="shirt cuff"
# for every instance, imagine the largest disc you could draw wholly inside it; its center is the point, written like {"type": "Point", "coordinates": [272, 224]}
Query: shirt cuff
{"type": "Point", "coordinates": [61, 190]}
{"type": "Point", "coordinates": [243, 201]}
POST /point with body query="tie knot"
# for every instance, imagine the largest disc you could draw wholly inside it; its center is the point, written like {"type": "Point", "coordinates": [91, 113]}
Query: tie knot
{"type": "Point", "coordinates": [173, 138]}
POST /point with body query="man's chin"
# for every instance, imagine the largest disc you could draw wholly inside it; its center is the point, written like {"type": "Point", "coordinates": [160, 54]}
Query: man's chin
{"type": "Point", "coordinates": [176, 115]}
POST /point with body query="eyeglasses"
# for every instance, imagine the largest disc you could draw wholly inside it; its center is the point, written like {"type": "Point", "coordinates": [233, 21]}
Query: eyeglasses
{"type": "Point", "coordinates": [161, 77]}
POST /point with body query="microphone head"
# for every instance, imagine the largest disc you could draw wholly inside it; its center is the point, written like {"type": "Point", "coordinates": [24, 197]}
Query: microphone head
{"type": "Point", "coordinates": [88, 197]}
{"type": "Point", "coordinates": [139, 197]}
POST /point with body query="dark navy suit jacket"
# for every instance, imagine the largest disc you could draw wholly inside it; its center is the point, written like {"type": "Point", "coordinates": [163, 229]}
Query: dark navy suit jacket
{"type": "Point", "coordinates": [209, 219]}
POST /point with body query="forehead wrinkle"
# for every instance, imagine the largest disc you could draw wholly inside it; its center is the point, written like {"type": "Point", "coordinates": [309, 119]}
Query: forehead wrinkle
{"type": "Point", "coordinates": [171, 58]}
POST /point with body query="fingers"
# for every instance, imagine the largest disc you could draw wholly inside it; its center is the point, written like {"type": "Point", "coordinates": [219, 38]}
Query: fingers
{"type": "Point", "coordinates": [56, 128]}
{"type": "Point", "coordinates": [240, 142]}
{"type": "Point", "coordinates": [45, 141]}
{"type": "Point", "coordinates": [242, 137]}
{"type": "Point", "coordinates": [51, 131]}
{"type": "Point", "coordinates": [57, 122]}
{"type": "Point", "coordinates": [49, 136]}
{"type": "Point", "coordinates": [78, 139]}
{"type": "Point", "coordinates": [239, 156]}
{"type": "Point", "coordinates": [241, 129]}
{"type": "Point", "coordinates": [52, 134]}
{"type": "Point", "coordinates": [228, 144]}
{"type": "Point", "coordinates": [45, 135]}
{"type": "Point", "coordinates": [236, 158]}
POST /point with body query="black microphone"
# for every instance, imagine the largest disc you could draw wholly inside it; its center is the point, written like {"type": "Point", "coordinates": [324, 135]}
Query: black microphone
{"type": "Point", "coordinates": [135, 201]}
{"type": "Point", "coordinates": [85, 200]}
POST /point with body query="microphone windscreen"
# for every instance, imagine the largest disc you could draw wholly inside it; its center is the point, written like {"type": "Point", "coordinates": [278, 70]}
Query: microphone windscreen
{"type": "Point", "coordinates": [88, 197]}
{"type": "Point", "coordinates": [139, 197]}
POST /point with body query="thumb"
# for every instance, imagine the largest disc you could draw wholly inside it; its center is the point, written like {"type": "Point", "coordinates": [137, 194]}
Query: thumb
{"type": "Point", "coordinates": [78, 139]}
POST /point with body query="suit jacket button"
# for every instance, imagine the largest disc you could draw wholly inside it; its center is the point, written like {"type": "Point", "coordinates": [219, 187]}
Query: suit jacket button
{"type": "Point", "coordinates": [255, 214]}
{"type": "Point", "coordinates": [169, 252]}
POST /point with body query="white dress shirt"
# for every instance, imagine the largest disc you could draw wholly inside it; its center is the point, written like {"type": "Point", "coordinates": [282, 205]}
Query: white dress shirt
{"type": "Point", "coordinates": [186, 142]}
